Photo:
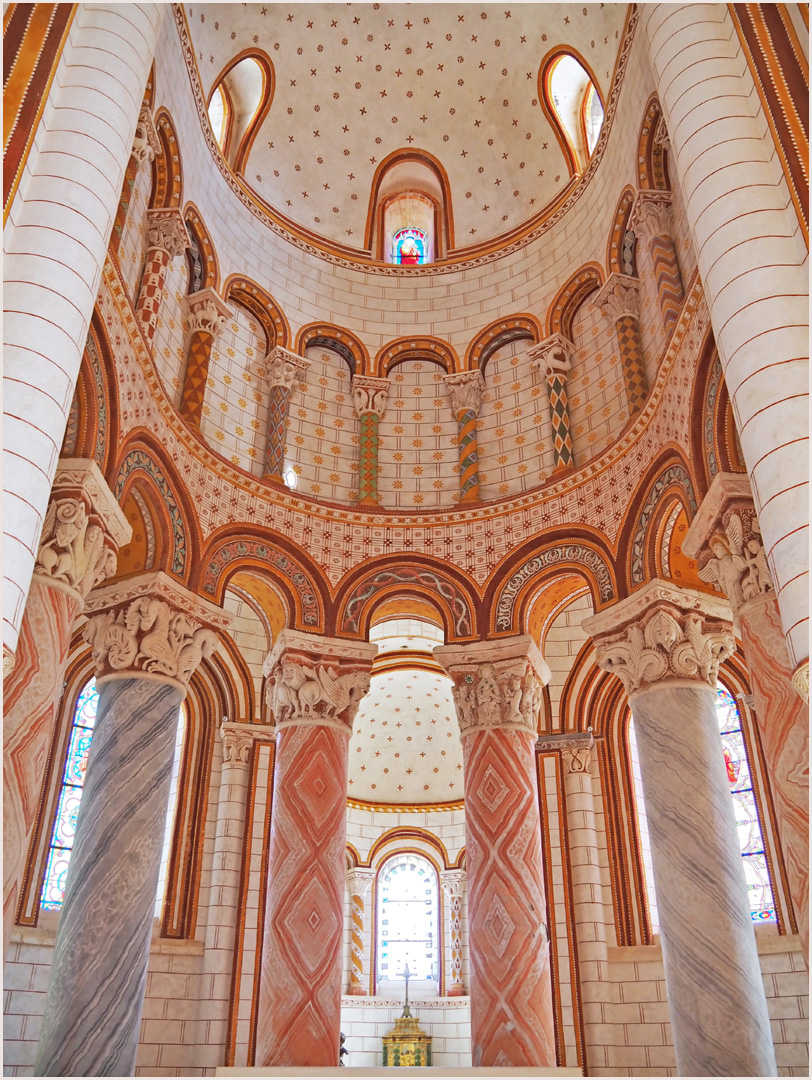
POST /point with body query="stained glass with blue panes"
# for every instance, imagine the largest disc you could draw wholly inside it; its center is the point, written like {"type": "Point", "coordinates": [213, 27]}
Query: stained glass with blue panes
{"type": "Point", "coordinates": [409, 247]}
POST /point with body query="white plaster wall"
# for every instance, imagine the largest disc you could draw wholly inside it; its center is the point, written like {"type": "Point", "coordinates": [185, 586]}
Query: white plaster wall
{"type": "Point", "coordinates": [447, 1020]}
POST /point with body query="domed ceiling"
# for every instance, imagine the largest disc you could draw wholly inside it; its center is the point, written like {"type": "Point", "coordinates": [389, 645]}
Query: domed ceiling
{"type": "Point", "coordinates": [354, 83]}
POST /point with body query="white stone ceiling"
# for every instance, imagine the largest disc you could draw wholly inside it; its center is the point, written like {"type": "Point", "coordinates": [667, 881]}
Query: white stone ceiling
{"type": "Point", "coordinates": [355, 82]}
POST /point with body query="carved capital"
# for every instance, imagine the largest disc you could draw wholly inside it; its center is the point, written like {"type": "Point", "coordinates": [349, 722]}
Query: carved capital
{"type": "Point", "coordinates": [465, 389]}
{"type": "Point", "coordinates": [239, 738]}
{"type": "Point", "coordinates": [453, 882]}
{"type": "Point", "coordinates": [83, 529]}
{"type": "Point", "coordinates": [553, 356]}
{"type": "Point", "coordinates": [359, 881]}
{"type": "Point", "coordinates": [800, 680]}
{"type": "Point", "coordinates": [207, 311]}
{"type": "Point", "coordinates": [146, 144]}
{"type": "Point", "coordinates": [151, 627]}
{"type": "Point", "coordinates": [496, 683]}
{"type": "Point", "coordinates": [369, 395]}
{"type": "Point", "coordinates": [651, 214]}
{"type": "Point", "coordinates": [281, 368]}
{"type": "Point", "coordinates": [725, 539]}
{"type": "Point", "coordinates": [619, 296]}
{"type": "Point", "coordinates": [167, 231]}
{"type": "Point", "coordinates": [661, 136]}
{"type": "Point", "coordinates": [317, 680]}
{"type": "Point", "coordinates": [663, 634]}
{"type": "Point", "coordinates": [575, 749]}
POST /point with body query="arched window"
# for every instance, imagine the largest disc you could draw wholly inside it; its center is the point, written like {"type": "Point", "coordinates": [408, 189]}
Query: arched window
{"type": "Point", "coordinates": [220, 113]}
{"type": "Point", "coordinates": [572, 102]}
{"type": "Point", "coordinates": [408, 922]}
{"type": "Point", "coordinates": [410, 247]}
{"type": "Point", "coordinates": [410, 205]}
{"type": "Point", "coordinates": [70, 796]}
{"type": "Point", "coordinates": [238, 104]}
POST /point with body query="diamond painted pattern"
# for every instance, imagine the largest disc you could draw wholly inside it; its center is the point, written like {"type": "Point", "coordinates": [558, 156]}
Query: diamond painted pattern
{"type": "Point", "coordinates": [560, 421]}
{"type": "Point", "coordinates": [634, 374]}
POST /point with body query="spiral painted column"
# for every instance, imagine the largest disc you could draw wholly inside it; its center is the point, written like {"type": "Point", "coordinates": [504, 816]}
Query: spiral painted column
{"type": "Point", "coordinates": [619, 301]}
{"type": "Point", "coordinates": [359, 884]}
{"type": "Point", "coordinates": [650, 220]}
{"type": "Point", "coordinates": [466, 389]}
{"type": "Point", "coordinates": [725, 538]}
{"type": "Point", "coordinates": [167, 238]}
{"type": "Point", "coordinates": [315, 685]}
{"type": "Point", "coordinates": [497, 692]}
{"type": "Point", "coordinates": [552, 358]}
{"type": "Point", "coordinates": [282, 370]}
{"type": "Point", "coordinates": [453, 883]}
{"type": "Point", "coordinates": [666, 644]}
{"type": "Point", "coordinates": [208, 314]}
{"type": "Point", "coordinates": [83, 530]}
{"type": "Point", "coordinates": [369, 397]}
{"type": "Point", "coordinates": [148, 635]}
{"type": "Point", "coordinates": [146, 145]}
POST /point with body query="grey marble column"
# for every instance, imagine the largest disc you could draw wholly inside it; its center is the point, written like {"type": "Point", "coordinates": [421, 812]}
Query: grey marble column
{"type": "Point", "coordinates": [146, 646]}
{"type": "Point", "coordinates": [666, 645]}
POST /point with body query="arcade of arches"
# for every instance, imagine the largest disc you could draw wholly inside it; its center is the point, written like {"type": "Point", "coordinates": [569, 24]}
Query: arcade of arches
{"type": "Point", "coordinates": [406, 536]}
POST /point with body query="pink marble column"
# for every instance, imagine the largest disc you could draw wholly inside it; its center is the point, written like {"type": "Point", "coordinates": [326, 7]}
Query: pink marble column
{"type": "Point", "coordinates": [359, 885]}
{"type": "Point", "coordinates": [83, 529]}
{"type": "Point", "coordinates": [666, 644]}
{"type": "Point", "coordinates": [725, 538]}
{"type": "Point", "coordinates": [453, 883]}
{"type": "Point", "coordinates": [167, 237]}
{"type": "Point", "coordinates": [316, 685]}
{"type": "Point", "coordinates": [497, 692]}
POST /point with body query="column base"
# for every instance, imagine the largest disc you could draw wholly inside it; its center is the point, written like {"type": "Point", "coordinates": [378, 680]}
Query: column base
{"type": "Point", "coordinates": [470, 500]}
{"type": "Point", "coordinates": [357, 991]}
{"type": "Point", "coordinates": [273, 479]}
{"type": "Point", "coordinates": [456, 991]}
{"type": "Point", "coordinates": [368, 501]}
{"type": "Point", "coordinates": [562, 470]}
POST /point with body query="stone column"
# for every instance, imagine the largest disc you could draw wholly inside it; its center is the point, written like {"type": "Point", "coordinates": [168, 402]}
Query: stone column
{"type": "Point", "coordinates": [619, 300]}
{"type": "Point", "coordinates": [359, 884]}
{"type": "Point", "coordinates": [148, 634]}
{"type": "Point", "coordinates": [146, 145]}
{"type": "Point", "coordinates": [466, 389]}
{"type": "Point", "coordinates": [166, 238]}
{"type": "Point", "coordinates": [650, 220]}
{"type": "Point", "coordinates": [757, 290]}
{"type": "Point", "coordinates": [725, 539]}
{"type": "Point", "coordinates": [208, 314]}
{"type": "Point", "coordinates": [84, 528]}
{"type": "Point", "coordinates": [453, 883]}
{"type": "Point", "coordinates": [587, 888]}
{"type": "Point", "coordinates": [369, 396]}
{"type": "Point", "coordinates": [666, 645]}
{"type": "Point", "coordinates": [497, 691]}
{"type": "Point", "coordinates": [552, 358]}
{"type": "Point", "coordinates": [315, 686]}
{"type": "Point", "coordinates": [281, 369]}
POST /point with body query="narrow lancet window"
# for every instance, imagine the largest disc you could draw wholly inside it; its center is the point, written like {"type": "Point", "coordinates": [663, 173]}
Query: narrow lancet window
{"type": "Point", "coordinates": [408, 907]}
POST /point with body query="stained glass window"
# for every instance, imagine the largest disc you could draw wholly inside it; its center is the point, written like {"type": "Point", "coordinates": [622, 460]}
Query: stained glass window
{"type": "Point", "coordinates": [408, 907]}
{"type": "Point", "coordinates": [762, 907]}
{"type": "Point", "coordinates": [409, 247]}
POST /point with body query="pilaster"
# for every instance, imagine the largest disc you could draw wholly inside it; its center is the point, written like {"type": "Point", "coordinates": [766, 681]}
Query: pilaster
{"type": "Point", "coordinates": [465, 389]}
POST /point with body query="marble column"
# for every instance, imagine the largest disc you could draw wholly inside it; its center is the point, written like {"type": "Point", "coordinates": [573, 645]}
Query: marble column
{"type": "Point", "coordinates": [497, 692]}
{"type": "Point", "coordinates": [282, 370]}
{"type": "Point", "coordinates": [83, 530]}
{"type": "Point", "coordinates": [369, 397]}
{"type": "Point", "coordinates": [208, 314]}
{"type": "Point", "coordinates": [148, 635]}
{"type": "Point", "coordinates": [167, 237]}
{"type": "Point", "coordinates": [725, 538]}
{"type": "Point", "coordinates": [465, 389]}
{"type": "Point", "coordinates": [552, 358]}
{"type": "Point", "coordinates": [587, 887]}
{"type": "Point", "coordinates": [359, 885]}
{"type": "Point", "coordinates": [146, 146]}
{"type": "Point", "coordinates": [453, 884]}
{"type": "Point", "coordinates": [316, 685]}
{"type": "Point", "coordinates": [619, 300]}
{"type": "Point", "coordinates": [650, 220]}
{"type": "Point", "coordinates": [666, 644]}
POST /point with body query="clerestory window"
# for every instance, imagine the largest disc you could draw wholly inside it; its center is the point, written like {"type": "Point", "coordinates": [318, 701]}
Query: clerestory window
{"type": "Point", "coordinates": [573, 104]}
{"type": "Point", "coordinates": [408, 920]}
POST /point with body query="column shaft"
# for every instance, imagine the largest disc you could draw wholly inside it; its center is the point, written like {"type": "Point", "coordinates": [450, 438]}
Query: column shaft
{"type": "Point", "coordinates": [93, 1009]}
{"type": "Point", "coordinates": [278, 405]}
{"type": "Point", "coordinates": [359, 881]}
{"type": "Point", "coordinates": [197, 371]}
{"type": "Point", "coordinates": [453, 883]}
{"type": "Point", "coordinates": [667, 277]}
{"type": "Point", "coordinates": [151, 292]}
{"type": "Point", "coordinates": [469, 457]}
{"type": "Point", "coordinates": [631, 361]}
{"type": "Point", "coordinates": [368, 459]}
{"type": "Point", "coordinates": [123, 208]}
{"type": "Point", "coordinates": [560, 421]}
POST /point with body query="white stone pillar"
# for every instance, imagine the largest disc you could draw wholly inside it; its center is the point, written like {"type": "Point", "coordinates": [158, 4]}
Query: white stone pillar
{"type": "Point", "coordinates": [56, 242]}
{"type": "Point", "coordinates": [752, 259]}
{"type": "Point", "coordinates": [453, 883]}
{"type": "Point", "coordinates": [359, 886]}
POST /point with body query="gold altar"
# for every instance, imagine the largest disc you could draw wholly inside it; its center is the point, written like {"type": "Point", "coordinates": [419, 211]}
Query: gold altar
{"type": "Point", "coordinates": [407, 1044]}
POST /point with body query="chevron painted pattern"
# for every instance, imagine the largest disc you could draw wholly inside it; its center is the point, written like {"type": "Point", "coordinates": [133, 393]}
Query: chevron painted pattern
{"type": "Point", "coordinates": [560, 421]}
{"type": "Point", "coordinates": [631, 360]}
{"type": "Point", "coordinates": [511, 993]}
{"type": "Point", "coordinates": [300, 987]}
{"type": "Point", "coordinates": [278, 403]}
{"type": "Point", "coordinates": [669, 282]}
{"type": "Point", "coordinates": [368, 459]}
{"type": "Point", "coordinates": [197, 371]}
{"type": "Point", "coordinates": [469, 458]}
{"type": "Point", "coordinates": [151, 293]}
{"type": "Point", "coordinates": [124, 204]}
